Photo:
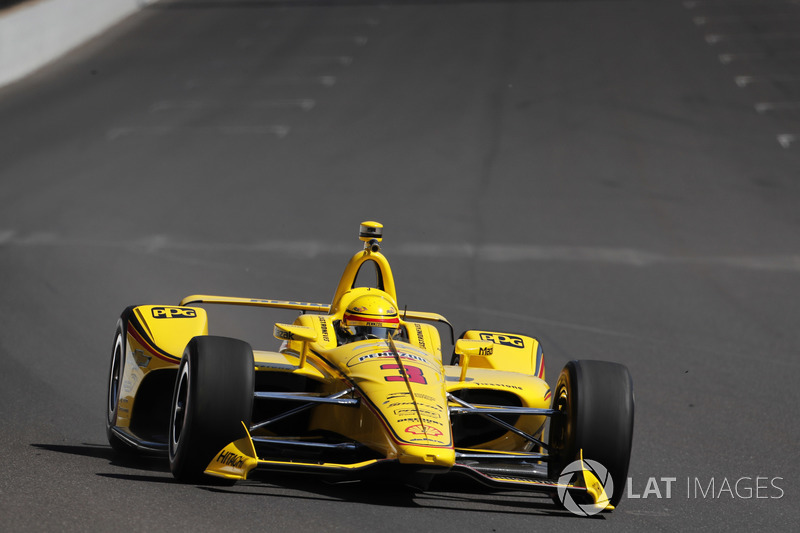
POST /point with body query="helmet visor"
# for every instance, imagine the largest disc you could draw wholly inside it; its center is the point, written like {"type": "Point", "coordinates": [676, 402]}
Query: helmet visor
{"type": "Point", "coordinates": [379, 332]}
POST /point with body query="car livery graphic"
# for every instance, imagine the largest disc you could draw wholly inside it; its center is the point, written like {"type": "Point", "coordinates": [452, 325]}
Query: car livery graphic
{"type": "Point", "coordinates": [358, 388]}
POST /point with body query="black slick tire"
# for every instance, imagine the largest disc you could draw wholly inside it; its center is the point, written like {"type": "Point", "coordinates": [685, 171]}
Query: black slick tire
{"type": "Point", "coordinates": [596, 401]}
{"type": "Point", "coordinates": [213, 395]}
{"type": "Point", "coordinates": [116, 375]}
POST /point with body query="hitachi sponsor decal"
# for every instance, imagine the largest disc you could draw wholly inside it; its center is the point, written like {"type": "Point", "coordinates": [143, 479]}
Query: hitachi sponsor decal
{"type": "Point", "coordinates": [231, 459]}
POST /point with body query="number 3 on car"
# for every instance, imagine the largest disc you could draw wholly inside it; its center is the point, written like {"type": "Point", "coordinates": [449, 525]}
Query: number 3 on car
{"type": "Point", "coordinates": [414, 373]}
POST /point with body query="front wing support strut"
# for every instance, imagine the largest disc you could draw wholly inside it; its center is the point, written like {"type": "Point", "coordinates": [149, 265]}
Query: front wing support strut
{"type": "Point", "coordinates": [467, 408]}
{"type": "Point", "coordinates": [310, 401]}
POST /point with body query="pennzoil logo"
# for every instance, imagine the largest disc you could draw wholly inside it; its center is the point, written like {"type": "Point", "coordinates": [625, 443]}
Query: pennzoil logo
{"type": "Point", "coordinates": [173, 312]}
{"type": "Point", "coordinates": [505, 340]}
{"type": "Point", "coordinates": [428, 431]}
{"type": "Point", "coordinates": [390, 355]}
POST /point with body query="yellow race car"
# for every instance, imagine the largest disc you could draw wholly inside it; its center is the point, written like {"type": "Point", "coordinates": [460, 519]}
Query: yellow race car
{"type": "Point", "coordinates": [360, 387]}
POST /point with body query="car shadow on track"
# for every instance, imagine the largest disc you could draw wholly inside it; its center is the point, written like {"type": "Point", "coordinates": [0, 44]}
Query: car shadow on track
{"type": "Point", "coordinates": [448, 493]}
{"type": "Point", "coordinates": [153, 463]}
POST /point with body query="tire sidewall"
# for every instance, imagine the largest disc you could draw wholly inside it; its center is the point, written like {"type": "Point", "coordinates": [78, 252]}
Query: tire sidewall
{"type": "Point", "coordinates": [177, 447]}
{"type": "Point", "coordinates": [116, 373]}
{"type": "Point", "coordinates": [219, 375]}
{"type": "Point", "coordinates": [119, 355]}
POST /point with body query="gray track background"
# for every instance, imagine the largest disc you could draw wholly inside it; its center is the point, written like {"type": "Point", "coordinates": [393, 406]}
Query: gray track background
{"type": "Point", "coordinates": [586, 171]}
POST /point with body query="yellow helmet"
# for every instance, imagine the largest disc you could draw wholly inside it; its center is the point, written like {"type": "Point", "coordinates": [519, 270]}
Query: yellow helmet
{"type": "Point", "coordinates": [371, 315]}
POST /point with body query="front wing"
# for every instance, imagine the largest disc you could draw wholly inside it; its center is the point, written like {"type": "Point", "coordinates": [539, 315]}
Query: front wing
{"type": "Point", "coordinates": [497, 470]}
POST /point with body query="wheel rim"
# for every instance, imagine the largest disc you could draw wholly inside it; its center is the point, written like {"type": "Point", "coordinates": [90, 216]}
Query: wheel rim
{"type": "Point", "coordinates": [558, 435]}
{"type": "Point", "coordinates": [179, 408]}
{"type": "Point", "coordinates": [115, 377]}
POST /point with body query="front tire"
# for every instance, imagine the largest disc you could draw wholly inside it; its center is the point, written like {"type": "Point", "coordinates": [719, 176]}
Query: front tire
{"type": "Point", "coordinates": [595, 399]}
{"type": "Point", "coordinates": [213, 395]}
{"type": "Point", "coordinates": [116, 375]}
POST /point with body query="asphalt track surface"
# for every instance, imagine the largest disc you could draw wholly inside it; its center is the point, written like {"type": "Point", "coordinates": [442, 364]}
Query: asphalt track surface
{"type": "Point", "coordinates": [597, 173]}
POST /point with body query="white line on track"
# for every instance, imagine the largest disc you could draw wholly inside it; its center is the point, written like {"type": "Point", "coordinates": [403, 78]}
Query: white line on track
{"type": "Point", "coordinates": [716, 38]}
{"type": "Point", "coordinates": [744, 81]}
{"type": "Point", "coordinates": [729, 58]}
{"type": "Point", "coordinates": [280, 131]}
{"type": "Point", "coordinates": [327, 81]}
{"type": "Point", "coordinates": [781, 17]}
{"type": "Point", "coordinates": [357, 40]}
{"type": "Point", "coordinates": [764, 107]}
{"type": "Point", "coordinates": [344, 61]}
{"type": "Point", "coordinates": [492, 253]}
{"type": "Point", "coordinates": [306, 104]}
{"type": "Point", "coordinates": [324, 80]}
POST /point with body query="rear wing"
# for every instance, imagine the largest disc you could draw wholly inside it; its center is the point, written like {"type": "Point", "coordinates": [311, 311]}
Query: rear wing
{"type": "Point", "coordinates": [303, 306]}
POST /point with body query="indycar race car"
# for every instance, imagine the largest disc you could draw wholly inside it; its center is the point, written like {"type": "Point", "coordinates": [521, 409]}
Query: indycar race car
{"type": "Point", "coordinates": [358, 387]}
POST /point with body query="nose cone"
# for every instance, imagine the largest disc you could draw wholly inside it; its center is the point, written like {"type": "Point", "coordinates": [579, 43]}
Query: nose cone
{"type": "Point", "coordinates": [404, 389]}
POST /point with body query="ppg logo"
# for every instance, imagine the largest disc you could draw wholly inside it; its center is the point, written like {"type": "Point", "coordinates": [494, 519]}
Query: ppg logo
{"type": "Point", "coordinates": [173, 312]}
{"type": "Point", "coordinates": [505, 340]}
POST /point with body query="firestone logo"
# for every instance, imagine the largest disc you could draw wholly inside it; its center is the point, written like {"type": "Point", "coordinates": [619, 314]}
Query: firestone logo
{"type": "Point", "coordinates": [568, 476]}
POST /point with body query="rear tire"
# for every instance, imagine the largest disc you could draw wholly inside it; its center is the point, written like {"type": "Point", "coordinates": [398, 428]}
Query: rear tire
{"type": "Point", "coordinates": [213, 395]}
{"type": "Point", "coordinates": [596, 399]}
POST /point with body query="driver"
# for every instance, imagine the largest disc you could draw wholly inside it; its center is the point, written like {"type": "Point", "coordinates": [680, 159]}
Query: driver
{"type": "Point", "coordinates": [371, 316]}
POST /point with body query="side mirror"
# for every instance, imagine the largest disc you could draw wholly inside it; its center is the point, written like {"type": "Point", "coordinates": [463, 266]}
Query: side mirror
{"type": "Point", "coordinates": [291, 332]}
{"type": "Point", "coordinates": [466, 348]}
